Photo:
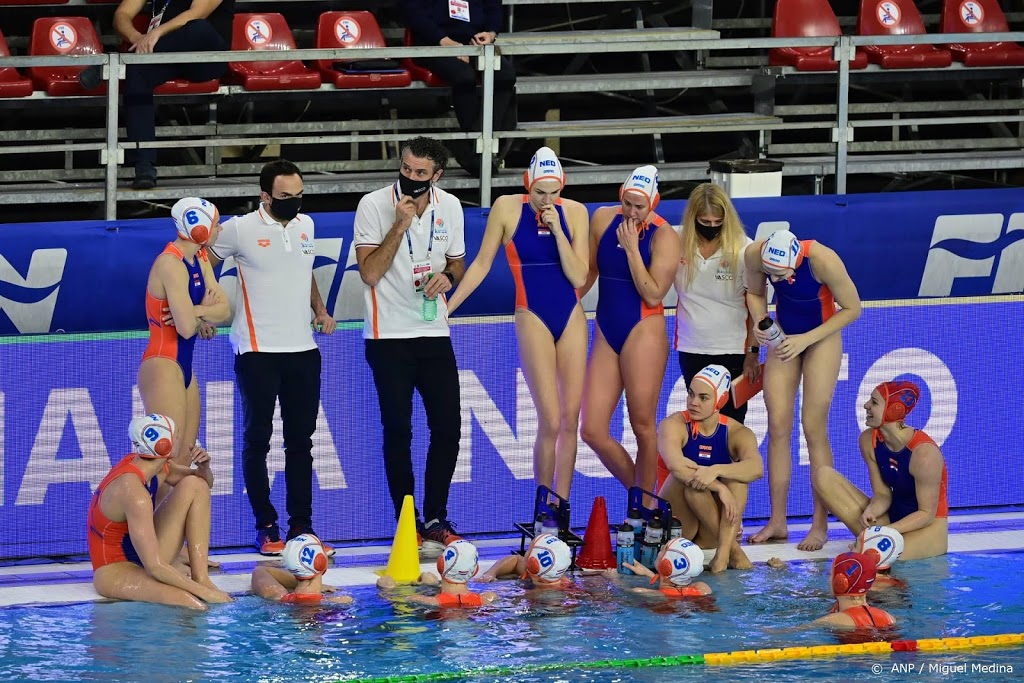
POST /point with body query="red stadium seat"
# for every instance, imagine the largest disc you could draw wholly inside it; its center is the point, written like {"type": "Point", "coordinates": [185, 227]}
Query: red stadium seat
{"type": "Point", "coordinates": [353, 30]}
{"type": "Point", "coordinates": [11, 82]}
{"type": "Point", "coordinates": [979, 16]}
{"type": "Point", "coordinates": [804, 18]}
{"type": "Point", "coordinates": [268, 31]}
{"type": "Point", "coordinates": [417, 72]}
{"type": "Point", "coordinates": [177, 86]}
{"type": "Point", "coordinates": [897, 18]}
{"type": "Point", "coordinates": [63, 36]}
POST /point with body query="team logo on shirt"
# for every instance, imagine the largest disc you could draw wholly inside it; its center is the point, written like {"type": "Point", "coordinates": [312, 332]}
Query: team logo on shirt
{"type": "Point", "coordinates": [894, 464]}
{"type": "Point", "coordinates": [704, 451]}
{"type": "Point", "coordinates": [723, 274]}
{"type": "Point", "coordinates": [440, 230]}
{"type": "Point", "coordinates": [263, 243]}
{"type": "Point", "coordinates": [195, 280]}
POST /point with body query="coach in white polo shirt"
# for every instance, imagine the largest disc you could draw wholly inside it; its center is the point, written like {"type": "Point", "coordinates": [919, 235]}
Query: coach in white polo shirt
{"type": "Point", "coordinates": [275, 355]}
{"type": "Point", "coordinates": [411, 248]}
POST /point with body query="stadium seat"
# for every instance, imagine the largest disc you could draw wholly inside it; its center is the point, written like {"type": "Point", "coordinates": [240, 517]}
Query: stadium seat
{"type": "Point", "coordinates": [11, 82]}
{"type": "Point", "coordinates": [63, 36]}
{"type": "Point", "coordinates": [897, 18]}
{"type": "Point", "coordinates": [268, 31]}
{"type": "Point", "coordinates": [177, 86]}
{"type": "Point", "coordinates": [356, 30]}
{"type": "Point", "coordinates": [979, 16]}
{"type": "Point", "coordinates": [805, 18]}
{"type": "Point", "coordinates": [417, 72]}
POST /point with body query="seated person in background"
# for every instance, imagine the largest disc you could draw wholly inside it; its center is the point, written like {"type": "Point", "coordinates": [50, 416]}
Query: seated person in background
{"type": "Point", "coordinates": [544, 566]}
{"type": "Point", "coordinates": [175, 26]}
{"type": "Point", "coordinates": [456, 565]}
{"type": "Point", "coordinates": [467, 22]}
{"type": "Point", "coordinates": [885, 544]}
{"type": "Point", "coordinates": [852, 577]}
{"type": "Point", "coordinates": [907, 473]}
{"type": "Point", "coordinates": [300, 582]}
{"type": "Point", "coordinates": [678, 563]}
{"type": "Point", "coordinates": [712, 460]}
{"type": "Point", "coordinates": [132, 546]}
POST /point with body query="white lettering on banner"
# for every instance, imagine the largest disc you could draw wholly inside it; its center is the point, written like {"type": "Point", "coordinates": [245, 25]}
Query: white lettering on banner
{"type": "Point", "coordinates": [349, 304]}
{"type": "Point", "coordinates": [44, 469]}
{"type": "Point", "coordinates": [34, 313]}
{"type": "Point", "coordinates": [936, 376]}
{"type": "Point", "coordinates": [2, 454]}
{"type": "Point", "coordinates": [515, 449]}
{"type": "Point", "coordinates": [220, 432]}
{"type": "Point", "coordinates": [325, 456]}
{"type": "Point", "coordinates": [944, 267]}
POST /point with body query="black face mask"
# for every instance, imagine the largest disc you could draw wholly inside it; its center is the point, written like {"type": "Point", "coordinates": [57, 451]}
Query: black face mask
{"type": "Point", "coordinates": [706, 231]}
{"type": "Point", "coordinates": [412, 188]}
{"type": "Point", "coordinates": [285, 209]}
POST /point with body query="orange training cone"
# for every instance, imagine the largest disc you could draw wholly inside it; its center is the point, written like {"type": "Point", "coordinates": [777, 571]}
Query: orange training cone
{"type": "Point", "coordinates": [404, 562]}
{"type": "Point", "coordinates": [597, 542]}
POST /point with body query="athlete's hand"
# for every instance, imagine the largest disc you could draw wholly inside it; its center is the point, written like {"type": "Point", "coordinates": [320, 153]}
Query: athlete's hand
{"type": "Point", "coordinates": [791, 347]}
{"type": "Point", "coordinates": [702, 478]}
{"type": "Point", "coordinates": [197, 455]}
{"type": "Point", "coordinates": [216, 596]}
{"type": "Point", "coordinates": [628, 235]}
{"type": "Point", "coordinates": [728, 504]}
{"type": "Point", "coordinates": [639, 569]}
{"type": "Point", "coordinates": [549, 217]}
{"type": "Point", "coordinates": [868, 517]}
{"type": "Point", "coordinates": [168, 319]}
{"type": "Point", "coordinates": [325, 323]}
{"type": "Point", "coordinates": [206, 330]}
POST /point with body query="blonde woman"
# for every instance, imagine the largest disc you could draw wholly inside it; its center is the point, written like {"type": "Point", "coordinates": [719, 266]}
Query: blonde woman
{"type": "Point", "coordinates": [712, 323]}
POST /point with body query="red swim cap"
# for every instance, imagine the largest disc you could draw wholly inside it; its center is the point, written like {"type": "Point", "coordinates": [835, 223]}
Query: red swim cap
{"type": "Point", "coordinates": [853, 574]}
{"type": "Point", "coordinates": [899, 398]}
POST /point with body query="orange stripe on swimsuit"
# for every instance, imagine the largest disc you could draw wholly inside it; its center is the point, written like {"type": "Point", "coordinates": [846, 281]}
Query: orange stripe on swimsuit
{"type": "Point", "coordinates": [106, 537]}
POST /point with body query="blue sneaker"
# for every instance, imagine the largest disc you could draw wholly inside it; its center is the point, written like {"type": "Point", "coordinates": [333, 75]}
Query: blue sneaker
{"type": "Point", "coordinates": [268, 540]}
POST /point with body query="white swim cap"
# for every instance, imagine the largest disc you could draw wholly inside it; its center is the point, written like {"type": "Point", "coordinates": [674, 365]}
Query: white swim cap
{"type": "Point", "coordinates": [304, 557]}
{"type": "Point", "coordinates": [884, 542]}
{"type": "Point", "coordinates": [195, 218]}
{"type": "Point", "coordinates": [780, 251]}
{"type": "Point", "coordinates": [459, 562]}
{"type": "Point", "coordinates": [152, 436]}
{"type": "Point", "coordinates": [548, 558]}
{"type": "Point", "coordinates": [543, 166]}
{"type": "Point", "coordinates": [720, 382]}
{"type": "Point", "coordinates": [680, 561]}
{"type": "Point", "coordinates": [643, 180]}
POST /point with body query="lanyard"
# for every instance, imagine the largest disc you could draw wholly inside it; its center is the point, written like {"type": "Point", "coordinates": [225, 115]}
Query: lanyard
{"type": "Point", "coordinates": [430, 240]}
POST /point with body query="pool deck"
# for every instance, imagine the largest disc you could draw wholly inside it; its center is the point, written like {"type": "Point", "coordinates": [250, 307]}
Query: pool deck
{"type": "Point", "coordinates": [71, 582]}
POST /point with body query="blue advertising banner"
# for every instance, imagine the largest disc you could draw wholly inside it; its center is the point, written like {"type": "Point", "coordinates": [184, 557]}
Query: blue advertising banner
{"type": "Point", "coordinates": [90, 276]}
{"type": "Point", "coordinates": [65, 402]}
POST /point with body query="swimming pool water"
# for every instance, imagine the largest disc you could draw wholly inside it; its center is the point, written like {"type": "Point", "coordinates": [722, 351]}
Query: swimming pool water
{"type": "Point", "coordinates": [252, 640]}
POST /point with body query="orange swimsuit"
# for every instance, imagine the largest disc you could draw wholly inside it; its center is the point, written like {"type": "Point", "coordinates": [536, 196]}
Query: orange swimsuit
{"type": "Point", "coordinates": [164, 340]}
{"type": "Point", "coordinates": [109, 541]}
{"type": "Point", "coordinates": [866, 616]}
{"type": "Point", "coordinates": [681, 592]}
{"type": "Point", "coordinates": [459, 600]}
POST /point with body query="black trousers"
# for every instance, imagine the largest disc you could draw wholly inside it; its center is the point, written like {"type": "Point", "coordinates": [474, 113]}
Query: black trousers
{"type": "Point", "coordinates": [294, 379]}
{"type": "Point", "coordinates": [467, 95]}
{"type": "Point", "coordinates": [140, 80]}
{"type": "Point", "coordinates": [427, 365]}
{"type": "Point", "coordinates": [692, 363]}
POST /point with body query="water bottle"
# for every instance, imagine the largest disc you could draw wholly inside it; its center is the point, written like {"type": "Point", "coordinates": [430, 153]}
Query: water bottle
{"type": "Point", "coordinates": [652, 543]}
{"type": "Point", "coordinates": [538, 524]}
{"type": "Point", "coordinates": [428, 310]}
{"type": "Point", "coordinates": [549, 525]}
{"type": "Point", "coordinates": [675, 529]}
{"type": "Point", "coordinates": [773, 333]}
{"type": "Point", "coordinates": [635, 520]}
{"type": "Point", "coordinates": [624, 547]}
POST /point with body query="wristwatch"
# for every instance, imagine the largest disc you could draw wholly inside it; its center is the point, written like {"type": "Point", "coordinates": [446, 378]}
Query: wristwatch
{"type": "Point", "coordinates": [753, 349]}
{"type": "Point", "coordinates": [451, 278]}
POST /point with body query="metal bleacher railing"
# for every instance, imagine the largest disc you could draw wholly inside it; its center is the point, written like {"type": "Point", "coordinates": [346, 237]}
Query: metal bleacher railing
{"type": "Point", "coordinates": [807, 160]}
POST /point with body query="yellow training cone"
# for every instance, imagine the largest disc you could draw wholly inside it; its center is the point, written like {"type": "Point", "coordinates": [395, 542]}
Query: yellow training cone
{"type": "Point", "coordinates": [404, 562]}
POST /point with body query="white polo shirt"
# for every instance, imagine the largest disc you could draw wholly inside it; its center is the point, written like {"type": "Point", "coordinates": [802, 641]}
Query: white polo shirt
{"type": "Point", "coordinates": [393, 309]}
{"type": "Point", "coordinates": [711, 314]}
{"type": "Point", "coordinates": [275, 270]}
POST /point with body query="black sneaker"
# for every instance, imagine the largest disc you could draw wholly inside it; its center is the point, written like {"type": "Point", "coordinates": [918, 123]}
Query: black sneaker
{"type": "Point", "coordinates": [437, 534]}
{"type": "Point", "coordinates": [145, 176]}
{"type": "Point", "coordinates": [268, 540]}
{"type": "Point", "coordinates": [306, 529]}
{"type": "Point", "coordinates": [91, 77]}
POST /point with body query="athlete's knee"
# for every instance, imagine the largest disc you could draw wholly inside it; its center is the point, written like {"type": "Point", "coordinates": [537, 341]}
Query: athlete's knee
{"type": "Point", "coordinates": [194, 487]}
{"type": "Point", "coordinates": [548, 423]}
{"type": "Point", "coordinates": [593, 432]}
{"type": "Point", "coordinates": [822, 478]}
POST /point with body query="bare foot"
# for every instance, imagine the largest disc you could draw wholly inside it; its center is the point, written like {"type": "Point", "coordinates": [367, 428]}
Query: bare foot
{"type": "Point", "coordinates": [738, 559]}
{"type": "Point", "coordinates": [218, 596]}
{"type": "Point", "coordinates": [720, 563]}
{"type": "Point", "coordinates": [815, 540]}
{"type": "Point", "coordinates": [183, 558]}
{"type": "Point", "coordinates": [775, 563]}
{"type": "Point", "coordinates": [771, 532]}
